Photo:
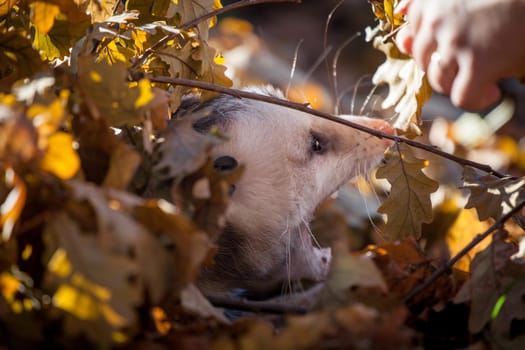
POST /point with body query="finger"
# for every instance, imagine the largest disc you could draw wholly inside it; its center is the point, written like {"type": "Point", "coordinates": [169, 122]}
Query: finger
{"type": "Point", "coordinates": [402, 7]}
{"type": "Point", "coordinates": [405, 39]}
{"type": "Point", "coordinates": [441, 73]}
{"type": "Point", "coordinates": [423, 46]}
{"type": "Point", "coordinates": [469, 93]}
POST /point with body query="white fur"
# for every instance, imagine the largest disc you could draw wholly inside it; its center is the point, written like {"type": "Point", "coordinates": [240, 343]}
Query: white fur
{"type": "Point", "coordinates": [284, 182]}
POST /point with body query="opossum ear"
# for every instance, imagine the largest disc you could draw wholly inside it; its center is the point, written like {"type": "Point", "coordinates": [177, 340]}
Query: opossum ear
{"type": "Point", "coordinates": [225, 163]}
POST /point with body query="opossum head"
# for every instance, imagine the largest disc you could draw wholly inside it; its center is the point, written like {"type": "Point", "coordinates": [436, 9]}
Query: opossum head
{"type": "Point", "coordinates": [293, 161]}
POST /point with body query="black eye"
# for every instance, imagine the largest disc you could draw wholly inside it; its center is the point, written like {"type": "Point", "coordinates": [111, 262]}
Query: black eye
{"type": "Point", "coordinates": [318, 145]}
{"type": "Point", "coordinates": [225, 163]}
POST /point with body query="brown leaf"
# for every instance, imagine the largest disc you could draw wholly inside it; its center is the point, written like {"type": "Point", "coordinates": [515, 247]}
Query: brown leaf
{"type": "Point", "coordinates": [490, 280]}
{"type": "Point", "coordinates": [123, 164]}
{"type": "Point", "coordinates": [18, 59]}
{"type": "Point", "coordinates": [491, 196]}
{"type": "Point", "coordinates": [411, 187]}
{"type": "Point", "coordinates": [349, 271]}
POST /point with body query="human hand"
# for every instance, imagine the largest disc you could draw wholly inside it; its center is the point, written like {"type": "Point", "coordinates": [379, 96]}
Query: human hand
{"type": "Point", "coordinates": [465, 46]}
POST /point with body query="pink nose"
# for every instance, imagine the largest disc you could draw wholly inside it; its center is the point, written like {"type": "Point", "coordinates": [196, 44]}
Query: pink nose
{"type": "Point", "coordinates": [382, 126]}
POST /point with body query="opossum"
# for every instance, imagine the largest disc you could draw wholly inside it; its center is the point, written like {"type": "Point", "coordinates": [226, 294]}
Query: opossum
{"type": "Point", "coordinates": [293, 161]}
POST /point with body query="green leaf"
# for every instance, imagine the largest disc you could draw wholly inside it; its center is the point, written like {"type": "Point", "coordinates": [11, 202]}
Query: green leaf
{"type": "Point", "coordinates": [408, 205]}
{"type": "Point", "coordinates": [491, 196]}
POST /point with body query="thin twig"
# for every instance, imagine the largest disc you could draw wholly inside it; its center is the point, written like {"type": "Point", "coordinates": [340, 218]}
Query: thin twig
{"type": "Point", "coordinates": [237, 5]}
{"type": "Point", "coordinates": [256, 306]}
{"type": "Point", "coordinates": [448, 266]}
{"type": "Point", "coordinates": [304, 108]}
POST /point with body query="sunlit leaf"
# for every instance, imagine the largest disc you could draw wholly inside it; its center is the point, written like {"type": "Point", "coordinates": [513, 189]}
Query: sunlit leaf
{"type": "Point", "coordinates": [209, 70]}
{"type": "Point", "coordinates": [408, 87]}
{"type": "Point", "coordinates": [491, 196]}
{"type": "Point", "coordinates": [465, 228]}
{"type": "Point", "coordinates": [61, 38]}
{"type": "Point", "coordinates": [61, 158]}
{"type": "Point", "coordinates": [43, 15]}
{"type": "Point", "coordinates": [145, 94]}
{"type": "Point", "coordinates": [108, 92]}
{"type": "Point", "coordinates": [99, 10]}
{"type": "Point", "coordinates": [6, 5]}
{"type": "Point", "coordinates": [411, 187]}
{"type": "Point", "coordinates": [9, 285]}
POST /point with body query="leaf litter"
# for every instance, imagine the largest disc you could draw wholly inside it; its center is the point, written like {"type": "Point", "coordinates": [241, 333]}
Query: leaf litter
{"type": "Point", "coordinates": [93, 253]}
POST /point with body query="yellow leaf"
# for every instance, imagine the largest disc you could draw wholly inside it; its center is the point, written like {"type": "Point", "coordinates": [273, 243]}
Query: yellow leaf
{"type": "Point", "coordinates": [59, 263]}
{"type": "Point", "coordinates": [145, 94]}
{"type": "Point", "coordinates": [43, 15]}
{"type": "Point", "coordinates": [115, 52]}
{"type": "Point", "coordinates": [60, 158]}
{"type": "Point", "coordinates": [47, 119]}
{"type": "Point", "coordinates": [464, 229]}
{"type": "Point", "coordinates": [100, 10]}
{"type": "Point", "coordinates": [5, 6]}
{"type": "Point", "coordinates": [9, 285]}
{"type": "Point", "coordinates": [76, 302]}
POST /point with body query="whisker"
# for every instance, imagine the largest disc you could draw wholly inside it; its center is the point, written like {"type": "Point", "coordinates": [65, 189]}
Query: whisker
{"type": "Point", "coordinates": [325, 39]}
{"type": "Point", "coordinates": [294, 64]}
{"type": "Point", "coordinates": [368, 97]}
{"type": "Point", "coordinates": [334, 66]}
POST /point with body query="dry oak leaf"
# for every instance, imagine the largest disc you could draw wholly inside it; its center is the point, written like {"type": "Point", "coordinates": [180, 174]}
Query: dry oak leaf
{"type": "Point", "coordinates": [108, 94]}
{"type": "Point", "coordinates": [491, 196]}
{"type": "Point", "coordinates": [408, 87]}
{"type": "Point", "coordinates": [408, 205]}
{"type": "Point", "coordinates": [98, 10]}
{"type": "Point", "coordinates": [18, 59]}
{"type": "Point", "coordinates": [350, 270]}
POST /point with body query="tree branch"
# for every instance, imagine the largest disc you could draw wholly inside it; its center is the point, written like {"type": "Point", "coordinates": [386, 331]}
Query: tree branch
{"type": "Point", "coordinates": [306, 109]}
{"type": "Point", "coordinates": [445, 268]}
{"type": "Point", "coordinates": [196, 21]}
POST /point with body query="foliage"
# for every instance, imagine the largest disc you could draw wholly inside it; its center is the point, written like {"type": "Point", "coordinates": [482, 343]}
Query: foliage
{"type": "Point", "coordinates": [103, 235]}
{"type": "Point", "coordinates": [408, 86]}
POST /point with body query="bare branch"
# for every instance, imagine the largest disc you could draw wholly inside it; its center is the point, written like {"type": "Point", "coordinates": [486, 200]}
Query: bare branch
{"type": "Point", "coordinates": [448, 266]}
{"type": "Point", "coordinates": [306, 109]}
{"type": "Point", "coordinates": [196, 21]}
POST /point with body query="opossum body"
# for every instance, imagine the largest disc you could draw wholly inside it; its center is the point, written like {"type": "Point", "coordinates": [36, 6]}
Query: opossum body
{"type": "Point", "coordinates": [293, 161]}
